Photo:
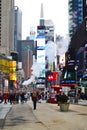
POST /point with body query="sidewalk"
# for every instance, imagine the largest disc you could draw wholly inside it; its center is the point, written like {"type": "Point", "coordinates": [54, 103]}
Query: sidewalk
{"type": "Point", "coordinates": [53, 119]}
{"type": "Point", "coordinates": [48, 117]}
{"type": "Point", "coordinates": [4, 109]}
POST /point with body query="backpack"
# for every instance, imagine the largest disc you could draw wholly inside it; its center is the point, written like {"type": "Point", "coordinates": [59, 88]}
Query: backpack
{"type": "Point", "coordinates": [34, 96]}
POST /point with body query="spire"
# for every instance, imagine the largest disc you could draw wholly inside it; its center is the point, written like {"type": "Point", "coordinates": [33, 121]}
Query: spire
{"type": "Point", "coordinates": [41, 13]}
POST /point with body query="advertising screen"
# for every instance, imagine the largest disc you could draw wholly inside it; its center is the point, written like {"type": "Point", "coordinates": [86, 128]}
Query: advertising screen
{"type": "Point", "coordinates": [40, 56]}
{"type": "Point", "coordinates": [41, 44]}
{"type": "Point", "coordinates": [41, 61]}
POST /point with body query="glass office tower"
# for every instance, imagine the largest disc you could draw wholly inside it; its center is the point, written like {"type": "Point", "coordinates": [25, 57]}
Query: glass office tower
{"type": "Point", "coordinates": [75, 15]}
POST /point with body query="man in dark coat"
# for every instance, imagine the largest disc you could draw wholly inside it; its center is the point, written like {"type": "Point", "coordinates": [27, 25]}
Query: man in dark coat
{"type": "Point", "coordinates": [34, 99]}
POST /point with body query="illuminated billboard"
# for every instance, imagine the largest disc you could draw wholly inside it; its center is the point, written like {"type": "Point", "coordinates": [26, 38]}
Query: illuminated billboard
{"type": "Point", "coordinates": [41, 62]}
{"type": "Point", "coordinates": [40, 56]}
{"type": "Point", "coordinates": [40, 30]}
{"type": "Point", "coordinates": [40, 43]}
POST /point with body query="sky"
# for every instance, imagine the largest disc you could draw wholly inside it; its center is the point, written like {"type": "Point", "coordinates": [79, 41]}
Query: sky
{"type": "Point", "coordinates": [56, 10]}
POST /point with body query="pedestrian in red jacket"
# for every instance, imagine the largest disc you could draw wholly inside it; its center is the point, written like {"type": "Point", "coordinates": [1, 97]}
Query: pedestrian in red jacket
{"type": "Point", "coordinates": [5, 98]}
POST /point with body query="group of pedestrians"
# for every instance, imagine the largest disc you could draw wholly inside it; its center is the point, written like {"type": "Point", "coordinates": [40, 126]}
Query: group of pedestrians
{"type": "Point", "coordinates": [14, 97]}
{"type": "Point", "coordinates": [21, 97]}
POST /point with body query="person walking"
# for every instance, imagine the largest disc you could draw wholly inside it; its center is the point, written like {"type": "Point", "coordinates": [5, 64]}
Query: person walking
{"type": "Point", "coordinates": [5, 96]}
{"type": "Point", "coordinates": [34, 97]}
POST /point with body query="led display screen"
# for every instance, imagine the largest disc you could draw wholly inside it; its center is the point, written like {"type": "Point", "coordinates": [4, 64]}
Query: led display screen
{"type": "Point", "coordinates": [41, 44]}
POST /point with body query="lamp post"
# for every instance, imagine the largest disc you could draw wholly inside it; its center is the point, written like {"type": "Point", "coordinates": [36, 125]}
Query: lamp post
{"type": "Point", "coordinates": [76, 67]}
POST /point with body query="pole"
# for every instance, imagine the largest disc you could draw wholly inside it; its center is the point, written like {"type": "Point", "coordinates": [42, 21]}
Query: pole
{"type": "Point", "coordinates": [76, 84]}
{"type": "Point", "coordinates": [76, 98]}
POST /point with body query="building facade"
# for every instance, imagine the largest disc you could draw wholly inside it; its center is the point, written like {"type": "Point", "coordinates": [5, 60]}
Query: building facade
{"type": "Point", "coordinates": [6, 26]}
{"type": "Point", "coordinates": [75, 15]}
{"type": "Point", "coordinates": [45, 33]}
{"type": "Point", "coordinates": [17, 26]}
{"type": "Point", "coordinates": [84, 8]}
{"type": "Point", "coordinates": [76, 56]}
{"type": "Point", "coordinates": [25, 55]}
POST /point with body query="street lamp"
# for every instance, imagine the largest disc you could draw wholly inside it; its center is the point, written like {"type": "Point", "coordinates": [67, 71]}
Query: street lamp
{"type": "Point", "coordinates": [76, 67]}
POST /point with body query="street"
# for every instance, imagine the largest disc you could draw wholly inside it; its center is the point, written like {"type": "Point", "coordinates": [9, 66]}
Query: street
{"type": "Point", "coordinates": [45, 117]}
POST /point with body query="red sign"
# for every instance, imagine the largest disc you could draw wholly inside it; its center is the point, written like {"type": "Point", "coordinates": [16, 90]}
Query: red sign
{"type": "Point", "coordinates": [55, 75]}
{"type": "Point", "coordinates": [50, 77]}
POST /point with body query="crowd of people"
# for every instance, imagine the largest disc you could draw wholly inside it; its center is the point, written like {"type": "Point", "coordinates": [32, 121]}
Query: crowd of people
{"type": "Point", "coordinates": [35, 96]}
{"type": "Point", "coordinates": [14, 97]}
{"type": "Point", "coordinates": [21, 97]}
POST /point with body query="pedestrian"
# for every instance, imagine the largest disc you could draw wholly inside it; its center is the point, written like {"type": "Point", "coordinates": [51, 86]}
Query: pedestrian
{"type": "Point", "coordinates": [5, 98]}
{"type": "Point", "coordinates": [10, 97]}
{"type": "Point", "coordinates": [25, 97]}
{"type": "Point", "coordinates": [17, 97]}
{"type": "Point", "coordinates": [57, 97]}
{"type": "Point", "coordinates": [22, 97]}
{"type": "Point", "coordinates": [1, 98]}
{"type": "Point", "coordinates": [34, 97]}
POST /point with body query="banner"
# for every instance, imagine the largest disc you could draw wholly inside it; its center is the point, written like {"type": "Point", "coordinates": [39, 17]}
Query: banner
{"type": "Point", "coordinates": [12, 70]}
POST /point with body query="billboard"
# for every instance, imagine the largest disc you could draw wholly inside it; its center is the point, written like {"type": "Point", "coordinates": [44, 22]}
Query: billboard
{"type": "Point", "coordinates": [40, 43]}
{"type": "Point", "coordinates": [40, 30]}
{"type": "Point", "coordinates": [12, 70]}
{"type": "Point", "coordinates": [41, 62]}
{"type": "Point", "coordinates": [40, 56]}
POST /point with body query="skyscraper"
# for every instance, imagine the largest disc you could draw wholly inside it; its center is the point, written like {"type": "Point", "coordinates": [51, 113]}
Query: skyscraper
{"type": "Point", "coordinates": [45, 33]}
{"type": "Point", "coordinates": [6, 26]}
{"type": "Point", "coordinates": [84, 8]}
{"type": "Point", "coordinates": [75, 15]}
{"type": "Point", "coordinates": [17, 26]}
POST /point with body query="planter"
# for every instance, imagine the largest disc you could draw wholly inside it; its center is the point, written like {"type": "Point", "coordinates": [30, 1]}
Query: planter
{"type": "Point", "coordinates": [64, 107]}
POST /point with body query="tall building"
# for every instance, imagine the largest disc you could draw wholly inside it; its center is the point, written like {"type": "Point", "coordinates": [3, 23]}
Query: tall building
{"type": "Point", "coordinates": [46, 27]}
{"type": "Point", "coordinates": [6, 26]}
{"type": "Point", "coordinates": [75, 15]}
{"type": "Point", "coordinates": [26, 52]}
{"type": "Point", "coordinates": [49, 30]}
{"type": "Point", "coordinates": [84, 8]}
{"type": "Point", "coordinates": [17, 26]}
{"type": "Point", "coordinates": [45, 33]}
{"type": "Point", "coordinates": [42, 16]}
{"type": "Point", "coordinates": [76, 56]}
